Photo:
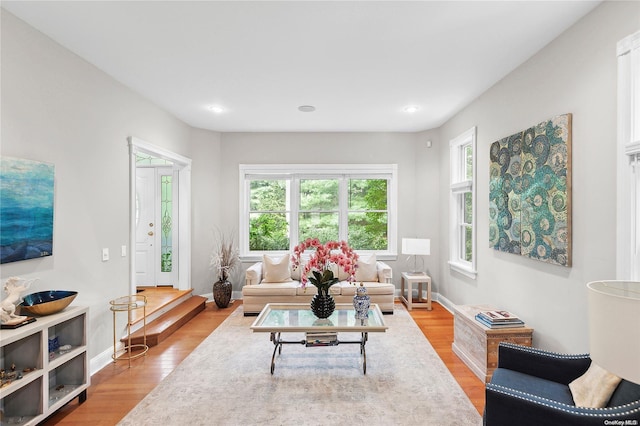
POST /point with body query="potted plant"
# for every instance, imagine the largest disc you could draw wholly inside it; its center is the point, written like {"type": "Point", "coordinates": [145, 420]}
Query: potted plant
{"type": "Point", "coordinates": [224, 259]}
{"type": "Point", "coordinates": [318, 270]}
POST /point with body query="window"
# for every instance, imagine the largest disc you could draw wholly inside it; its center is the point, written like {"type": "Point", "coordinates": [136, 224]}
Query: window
{"type": "Point", "coordinates": [462, 257]}
{"type": "Point", "coordinates": [628, 232]}
{"type": "Point", "coordinates": [284, 204]}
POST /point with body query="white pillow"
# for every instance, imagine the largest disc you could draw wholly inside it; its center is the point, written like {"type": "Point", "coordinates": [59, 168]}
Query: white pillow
{"type": "Point", "coordinates": [594, 388]}
{"type": "Point", "coordinates": [367, 270]}
{"type": "Point", "coordinates": [275, 270]}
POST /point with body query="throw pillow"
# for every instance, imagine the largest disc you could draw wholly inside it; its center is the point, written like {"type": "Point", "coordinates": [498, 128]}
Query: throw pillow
{"type": "Point", "coordinates": [275, 270]}
{"type": "Point", "coordinates": [367, 270]}
{"type": "Point", "coordinates": [594, 388]}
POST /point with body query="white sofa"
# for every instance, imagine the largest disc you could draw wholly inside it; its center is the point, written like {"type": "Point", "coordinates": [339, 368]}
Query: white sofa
{"type": "Point", "coordinates": [260, 289]}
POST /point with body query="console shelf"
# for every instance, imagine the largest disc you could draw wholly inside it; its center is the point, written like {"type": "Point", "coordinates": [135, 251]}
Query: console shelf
{"type": "Point", "coordinates": [52, 379]}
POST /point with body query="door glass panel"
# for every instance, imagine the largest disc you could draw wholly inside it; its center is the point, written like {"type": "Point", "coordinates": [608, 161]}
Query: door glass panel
{"type": "Point", "coordinates": [166, 209]}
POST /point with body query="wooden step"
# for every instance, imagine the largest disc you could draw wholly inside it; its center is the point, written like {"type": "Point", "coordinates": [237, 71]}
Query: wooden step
{"type": "Point", "coordinates": [162, 327]}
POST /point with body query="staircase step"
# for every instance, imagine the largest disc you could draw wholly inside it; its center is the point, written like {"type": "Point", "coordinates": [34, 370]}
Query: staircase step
{"type": "Point", "coordinates": [162, 327]}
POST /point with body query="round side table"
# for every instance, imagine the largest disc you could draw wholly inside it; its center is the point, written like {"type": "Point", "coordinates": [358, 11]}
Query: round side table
{"type": "Point", "coordinates": [128, 304]}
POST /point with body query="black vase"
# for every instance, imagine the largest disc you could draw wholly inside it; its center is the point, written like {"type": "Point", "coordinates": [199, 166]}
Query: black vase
{"type": "Point", "coordinates": [222, 293]}
{"type": "Point", "coordinates": [323, 305]}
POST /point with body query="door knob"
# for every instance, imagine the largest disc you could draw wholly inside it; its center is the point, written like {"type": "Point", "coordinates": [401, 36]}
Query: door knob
{"type": "Point", "coordinates": [151, 225]}
{"type": "Point", "coordinates": [150, 233]}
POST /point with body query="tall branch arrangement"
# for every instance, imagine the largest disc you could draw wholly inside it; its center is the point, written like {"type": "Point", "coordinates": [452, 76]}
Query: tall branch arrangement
{"type": "Point", "coordinates": [224, 257]}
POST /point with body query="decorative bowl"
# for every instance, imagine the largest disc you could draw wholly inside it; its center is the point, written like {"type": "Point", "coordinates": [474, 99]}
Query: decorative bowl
{"type": "Point", "coordinates": [47, 302]}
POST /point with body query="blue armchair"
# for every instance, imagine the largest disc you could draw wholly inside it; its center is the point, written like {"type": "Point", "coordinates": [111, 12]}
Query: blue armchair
{"type": "Point", "coordinates": [530, 387]}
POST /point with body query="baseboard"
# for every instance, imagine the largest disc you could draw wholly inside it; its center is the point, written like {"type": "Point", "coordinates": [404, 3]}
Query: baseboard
{"type": "Point", "coordinates": [103, 359]}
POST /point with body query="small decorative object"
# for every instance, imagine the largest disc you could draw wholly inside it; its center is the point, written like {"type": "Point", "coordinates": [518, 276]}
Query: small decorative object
{"type": "Point", "coordinates": [361, 302]}
{"type": "Point", "coordinates": [47, 302]}
{"type": "Point", "coordinates": [318, 270]}
{"type": "Point", "coordinates": [224, 259]}
{"type": "Point", "coordinates": [14, 286]}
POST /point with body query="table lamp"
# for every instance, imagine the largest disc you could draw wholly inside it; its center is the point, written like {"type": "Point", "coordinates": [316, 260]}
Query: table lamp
{"type": "Point", "coordinates": [614, 327]}
{"type": "Point", "coordinates": [416, 247]}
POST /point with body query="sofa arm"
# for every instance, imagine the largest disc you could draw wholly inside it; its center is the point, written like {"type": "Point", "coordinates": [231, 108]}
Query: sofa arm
{"type": "Point", "coordinates": [253, 274]}
{"type": "Point", "coordinates": [385, 273]}
{"type": "Point", "coordinates": [552, 366]}
{"type": "Point", "coordinates": [505, 406]}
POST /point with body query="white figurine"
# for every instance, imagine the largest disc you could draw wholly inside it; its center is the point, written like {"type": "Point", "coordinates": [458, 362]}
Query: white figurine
{"type": "Point", "coordinates": [13, 287]}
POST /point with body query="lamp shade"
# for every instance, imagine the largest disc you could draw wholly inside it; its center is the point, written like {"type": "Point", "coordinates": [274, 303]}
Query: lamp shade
{"type": "Point", "coordinates": [416, 246]}
{"type": "Point", "coordinates": [614, 327]}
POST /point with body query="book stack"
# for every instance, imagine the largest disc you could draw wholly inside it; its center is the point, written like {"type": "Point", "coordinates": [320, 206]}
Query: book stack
{"type": "Point", "coordinates": [498, 319]}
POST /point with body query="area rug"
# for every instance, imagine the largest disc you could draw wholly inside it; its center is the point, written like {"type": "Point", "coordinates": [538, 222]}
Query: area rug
{"type": "Point", "coordinates": [226, 380]}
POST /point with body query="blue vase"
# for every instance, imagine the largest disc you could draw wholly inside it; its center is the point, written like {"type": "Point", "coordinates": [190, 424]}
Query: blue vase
{"type": "Point", "coordinates": [361, 302]}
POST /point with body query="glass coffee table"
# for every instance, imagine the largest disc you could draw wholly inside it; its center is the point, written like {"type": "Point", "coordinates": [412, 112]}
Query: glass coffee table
{"type": "Point", "coordinates": [278, 318]}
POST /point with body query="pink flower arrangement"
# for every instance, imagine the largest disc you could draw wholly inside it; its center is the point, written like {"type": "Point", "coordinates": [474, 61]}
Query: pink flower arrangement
{"type": "Point", "coordinates": [319, 264]}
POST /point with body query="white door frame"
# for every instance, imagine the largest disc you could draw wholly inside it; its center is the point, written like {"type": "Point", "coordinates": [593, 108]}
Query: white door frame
{"type": "Point", "coordinates": [182, 166]}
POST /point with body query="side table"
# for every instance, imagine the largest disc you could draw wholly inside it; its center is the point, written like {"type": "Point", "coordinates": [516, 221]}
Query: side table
{"type": "Point", "coordinates": [128, 304]}
{"type": "Point", "coordinates": [409, 279]}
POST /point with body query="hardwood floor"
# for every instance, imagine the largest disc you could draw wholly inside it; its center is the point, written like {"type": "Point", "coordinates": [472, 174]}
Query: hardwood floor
{"type": "Point", "coordinates": [116, 389]}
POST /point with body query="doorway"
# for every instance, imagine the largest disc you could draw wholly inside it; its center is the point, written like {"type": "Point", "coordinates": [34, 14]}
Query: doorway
{"type": "Point", "coordinates": [160, 210]}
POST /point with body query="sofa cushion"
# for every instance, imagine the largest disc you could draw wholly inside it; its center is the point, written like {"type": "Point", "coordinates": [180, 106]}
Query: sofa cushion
{"type": "Point", "coordinates": [594, 388]}
{"type": "Point", "coordinates": [373, 288]}
{"type": "Point", "coordinates": [533, 385]}
{"type": "Point", "coordinates": [626, 393]}
{"type": "Point", "coordinates": [276, 270]}
{"type": "Point", "coordinates": [271, 289]}
{"type": "Point", "coordinates": [367, 269]}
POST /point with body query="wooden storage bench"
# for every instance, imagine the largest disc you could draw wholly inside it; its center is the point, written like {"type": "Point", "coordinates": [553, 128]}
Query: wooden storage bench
{"type": "Point", "coordinates": [477, 345]}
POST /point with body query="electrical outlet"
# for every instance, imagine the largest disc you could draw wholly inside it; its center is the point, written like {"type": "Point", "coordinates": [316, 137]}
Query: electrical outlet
{"type": "Point", "coordinates": [105, 254]}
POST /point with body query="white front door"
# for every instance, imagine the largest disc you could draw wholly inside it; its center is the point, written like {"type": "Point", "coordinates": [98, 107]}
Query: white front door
{"type": "Point", "coordinates": [153, 256]}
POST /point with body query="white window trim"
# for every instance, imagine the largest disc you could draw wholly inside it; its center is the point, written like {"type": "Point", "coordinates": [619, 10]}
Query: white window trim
{"type": "Point", "coordinates": [628, 204]}
{"type": "Point", "coordinates": [287, 171]}
{"type": "Point", "coordinates": [457, 187]}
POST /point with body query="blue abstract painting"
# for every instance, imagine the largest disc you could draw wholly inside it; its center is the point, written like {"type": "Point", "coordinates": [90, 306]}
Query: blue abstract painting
{"type": "Point", "coordinates": [26, 209]}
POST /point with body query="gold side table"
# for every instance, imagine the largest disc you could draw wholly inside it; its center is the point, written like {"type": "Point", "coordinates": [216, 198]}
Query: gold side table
{"type": "Point", "coordinates": [128, 304]}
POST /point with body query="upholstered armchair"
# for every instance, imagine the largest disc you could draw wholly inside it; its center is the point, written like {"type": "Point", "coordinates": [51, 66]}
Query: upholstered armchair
{"type": "Point", "coordinates": [530, 387]}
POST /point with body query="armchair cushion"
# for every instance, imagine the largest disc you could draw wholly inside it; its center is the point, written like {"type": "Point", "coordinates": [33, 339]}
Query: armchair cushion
{"type": "Point", "coordinates": [594, 388]}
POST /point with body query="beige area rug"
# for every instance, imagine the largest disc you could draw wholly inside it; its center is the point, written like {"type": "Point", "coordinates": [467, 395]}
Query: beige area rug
{"type": "Point", "coordinates": [226, 381]}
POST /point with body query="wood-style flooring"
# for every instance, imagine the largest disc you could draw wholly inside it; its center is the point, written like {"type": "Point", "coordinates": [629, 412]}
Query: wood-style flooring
{"type": "Point", "coordinates": [116, 389]}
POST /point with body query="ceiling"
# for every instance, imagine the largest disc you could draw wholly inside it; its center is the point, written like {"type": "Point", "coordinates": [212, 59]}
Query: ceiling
{"type": "Point", "coordinates": [358, 63]}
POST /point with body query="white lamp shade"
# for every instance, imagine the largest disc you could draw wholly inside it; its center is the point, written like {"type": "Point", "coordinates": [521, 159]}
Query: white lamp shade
{"type": "Point", "coordinates": [416, 246]}
{"type": "Point", "coordinates": [614, 327]}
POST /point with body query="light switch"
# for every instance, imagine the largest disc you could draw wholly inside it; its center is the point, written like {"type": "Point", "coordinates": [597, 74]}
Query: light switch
{"type": "Point", "coordinates": [123, 251]}
{"type": "Point", "coordinates": [105, 254]}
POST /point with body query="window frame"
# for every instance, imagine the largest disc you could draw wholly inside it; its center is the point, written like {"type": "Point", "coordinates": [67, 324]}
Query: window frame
{"type": "Point", "coordinates": [628, 159]}
{"type": "Point", "coordinates": [295, 172]}
{"type": "Point", "coordinates": [460, 185]}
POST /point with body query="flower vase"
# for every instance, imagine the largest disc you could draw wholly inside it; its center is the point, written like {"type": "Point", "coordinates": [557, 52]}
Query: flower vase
{"type": "Point", "coordinates": [361, 302]}
{"type": "Point", "coordinates": [222, 293]}
{"type": "Point", "coordinates": [323, 304]}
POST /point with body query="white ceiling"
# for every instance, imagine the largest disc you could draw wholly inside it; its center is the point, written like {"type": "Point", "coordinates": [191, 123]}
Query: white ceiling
{"type": "Point", "coordinates": [359, 63]}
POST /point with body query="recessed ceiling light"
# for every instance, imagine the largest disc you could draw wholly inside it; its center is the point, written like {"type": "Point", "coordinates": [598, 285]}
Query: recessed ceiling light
{"type": "Point", "coordinates": [217, 109]}
{"type": "Point", "coordinates": [411, 109]}
{"type": "Point", "coordinates": [306, 108]}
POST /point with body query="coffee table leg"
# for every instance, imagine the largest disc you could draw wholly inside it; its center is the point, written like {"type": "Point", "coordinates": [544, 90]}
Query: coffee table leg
{"type": "Point", "coordinates": [275, 338]}
{"type": "Point", "coordinates": [364, 352]}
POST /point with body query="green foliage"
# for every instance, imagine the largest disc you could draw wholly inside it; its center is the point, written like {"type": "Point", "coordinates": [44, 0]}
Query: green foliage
{"type": "Point", "coordinates": [319, 213]}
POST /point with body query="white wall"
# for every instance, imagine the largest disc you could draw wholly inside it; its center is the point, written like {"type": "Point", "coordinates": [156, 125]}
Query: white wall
{"type": "Point", "coordinates": [60, 109]}
{"type": "Point", "coordinates": [576, 73]}
{"type": "Point", "coordinates": [417, 172]}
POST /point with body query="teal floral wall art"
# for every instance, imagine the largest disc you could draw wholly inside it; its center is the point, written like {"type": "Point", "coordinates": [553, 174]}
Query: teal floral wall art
{"type": "Point", "coordinates": [26, 209]}
{"type": "Point", "coordinates": [530, 192]}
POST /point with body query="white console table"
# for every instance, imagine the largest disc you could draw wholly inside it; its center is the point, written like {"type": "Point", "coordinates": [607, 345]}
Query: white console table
{"type": "Point", "coordinates": [49, 379]}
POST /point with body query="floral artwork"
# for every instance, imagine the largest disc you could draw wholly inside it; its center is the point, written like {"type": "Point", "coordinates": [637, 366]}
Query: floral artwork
{"type": "Point", "coordinates": [26, 209]}
{"type": "Point", "coordinates": [530, 192]}
{"type": "Point", "coordinates": [321, 261]}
